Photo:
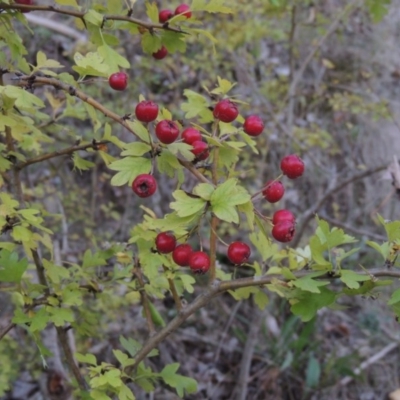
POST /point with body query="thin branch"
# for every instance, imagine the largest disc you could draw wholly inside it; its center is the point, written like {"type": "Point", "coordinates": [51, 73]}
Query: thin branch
{"type": "Point", "coordinates": [64, 152]}
{"type": "Point", "coordinates": [62, 29]}
{"type": "Point", "coordinates": [299, 74]}
{"type": "Point", "coordinates": [213, 247]}
{"type": "Point", "coordinates": [247, 355]}
{"type": "Point", "coordinates": [63, 338]}
{"type": "Point", "coordinates": [350, 228]}
{"type": "Point", "coordinates": [218, 287]}
{"type": "Point", "coordinates": [174, 292]}
{"type": "Point", "coordinates": [27, 80]}
{"type": "Point", "coordinates": [365, 364]}
{"type": "Point", "coordinates": [291, 41]}
{"type": "Point", "coordinates": [308, 215]}
{"type": "Point", "coordinates": [214, 218]}
{"type": "Point", "coordinates": [144, 299]}
{"type": "Point", "coordinates": [7, 329]}
{"type": "Point", "coordinates": [81, 15]}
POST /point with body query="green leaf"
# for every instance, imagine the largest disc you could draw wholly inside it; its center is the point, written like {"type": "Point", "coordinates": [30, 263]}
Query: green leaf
{"type": "Point", "coordinates": [59, 316]}
{"type": "Point", "coordinates": [140, 130]}
{"type": "Point", "coordinates": [265, 247]}
{"type": "Point", "coordinates": [204, 190]}
{"type": "Point", "coordinates": [39, 321]}
{"type": "Point", "coordinates": [187, 281]}
{"type": "Point", "coordinates": [80, 163]}
{"type": "Point", "coordinates": [394, 298]}
{"type": "Point", "coordinates": [93, 17]}
{"type": "Point", "coordinates": [351, 279]}
{"type": "Point", "coordinates": [155, 315]}
{"type": "Point", "coordinates": [173, 41]}
{"type": "Point", "coordinates": [125, 393]}
{"type": "Point", "coordinates": [129, 168]}
{"type": "Point", "coordinates": [393, 230]}
{"type": "Point", "coordinates": [310, 285]}
{"type": "Point", "coordinates": [307, 305]}
{"type": "Point", "coordinates": [23, 99]}
{"type": "Point", "coordinates": [182, 384]}
{"type": "Point", "coordinates": [150, 43]}
{"type": "Point", "coordinates": [248, 210]}
{"type": "Point", "coordinates": [182, 148]}
{"type": "Point", "coordinates": [378, 9]}
{"type": "Point", "coordinates": [113, 58]}
{"type": "Point", "coordinates": [261, 299]}
{"type": "Point", "coordinates": [333, 237]}
{"type": "Point", "coordinates": [136, 149]}
{"type": "Point", "coordinates": [168, 164]}
{"type": "Point", "coordinates": [11, 270]}
{"type": "Point", "coordinates": [313, 372]}
{"type": "Point", "coordinates": [224, 199]}
{"type": "Point", "coordinates": [91, 64]}
{"type": "Point", "coordinates": [71, 3]}
{"type": "Point", "coordinates": [123, 359]}
{"type": "Point", "coordinates": [54, 272]}
{"type": "Point", "coordinates": [383, 249]}
{"type": "Point", "coordinates": [243, 293]}
{"type": "Point", "coordinates": [87, 358]}
{"type": "Point", "coordinates": [196, 106]}
{"type": "Point", "coordinates": [152, 12]}
{"type": "Point", "coordinates": [184, 205]}
{"type": "Point", "coordinates": [92, 260]}
{"type": "Point", "coordinates": [224, 86]}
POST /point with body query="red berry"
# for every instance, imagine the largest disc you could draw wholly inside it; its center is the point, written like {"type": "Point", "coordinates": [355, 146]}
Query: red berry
{"type": "Point", "coordinates": [283, 215]}
{"type": "Point", "coordinates": [283, 231]}
{"type": "Point", "coordinates": [146, 111]}
{"type": "Point", "coordinates": [184, 10]}
{"type": "Point", "coordinates": [253, 125]}
{"type": "Point", "coordinates": [273, 191]}
{"type": "Point", "coordinates": [118, 81]}
{"type": "Point", "coordinates": [160, 54]}
{"type": "Point", "coordinates": [200, 150]}
{"type": "Point", "coordinates": [199, 262]}
{"type": "Point", "coordinates": [167, 131]}
{"type": "Point", "coordinates": [165, 242]}
{"type": "Point", "coordinates": [292, 166]}
{"type": "Point", "coordinates": [238, 252]}
{"type": "Point", "coordinates": [225, 111]}
{"type": "Point", "coordinates": [144, 185]}
{"type": "Point", "coordinates": [165, 15]}
{"type": "Point", "coordinates": [181, 254]}
{"type": "Point", "coordinates": [190, 135]}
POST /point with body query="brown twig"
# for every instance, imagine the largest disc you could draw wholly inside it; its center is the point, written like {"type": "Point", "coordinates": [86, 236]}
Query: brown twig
{"type": "Point", "coordinates": [214, 218]}
{"type": "Point", "coordinates": [218, 287]}
{"type": "Point", "coordinates": [174, 292]}
{"type": "Point", "coordinates": [365, 364]}
{"type": "Point", "coordinates": [247, 355]}
{"type": "Point", "coordinates": [308, 215]}
{"type": "Point", "coordinates": [144, 299]}
{"type": "Point", "coordinates": [108, 113]}
{"type": "Point", "coordinates": [300, 72]}
{"type": "Point", "coordinates": [81, 15]}
{"type": "Point", "coordinates": [63, 338]}
{"type": "Point", "coordinates": [64, 152]}
{"type": "Point", "coordinates": [7, 329]}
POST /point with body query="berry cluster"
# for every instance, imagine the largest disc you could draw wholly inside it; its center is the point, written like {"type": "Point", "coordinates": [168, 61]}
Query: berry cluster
{"type": "Point", "coordinates": [283, 220]}
{"type": "Point", "coordinates": [183, 254]}
{"type": "Point", "coordinates": [167, 132]}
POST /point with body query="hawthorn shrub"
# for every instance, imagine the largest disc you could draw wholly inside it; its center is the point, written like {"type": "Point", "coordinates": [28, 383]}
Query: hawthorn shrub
{"type": "Point", "coordinates": [165, 254]}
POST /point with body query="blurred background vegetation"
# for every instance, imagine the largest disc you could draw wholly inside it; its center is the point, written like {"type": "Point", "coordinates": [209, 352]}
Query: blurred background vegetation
{"type": "Point", "coordinates": [325, 77]}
